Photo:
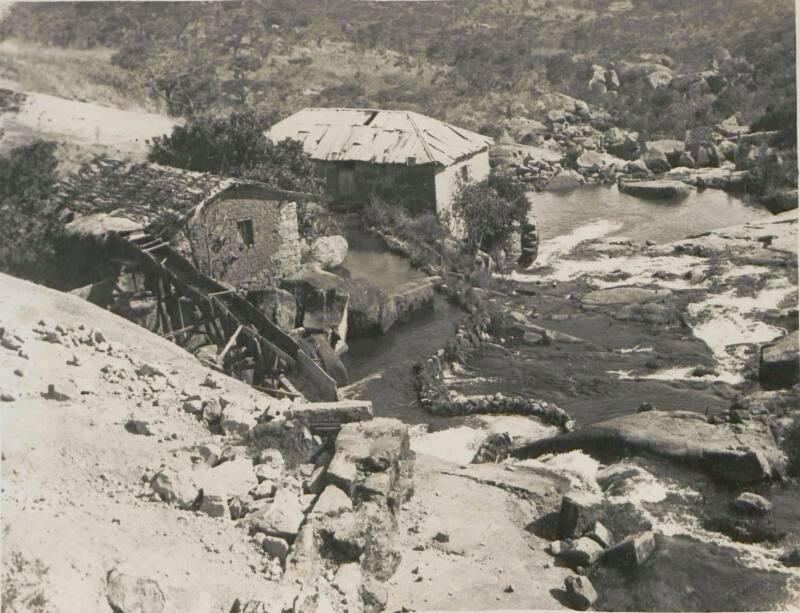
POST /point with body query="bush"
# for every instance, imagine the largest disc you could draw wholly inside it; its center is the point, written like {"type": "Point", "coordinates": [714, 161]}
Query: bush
{"type": "Point", "coordinates": [29, 226]}
{"type": "Point", "coordinates": [489, 209]}
{"type": "Point", "coordinates": [236, 146]}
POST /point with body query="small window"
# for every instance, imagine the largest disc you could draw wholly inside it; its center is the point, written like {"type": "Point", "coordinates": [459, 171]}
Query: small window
{"type": "Point", "coordinates": [245, 228]}
{"type": "Point", "coordinates": [465, 173]}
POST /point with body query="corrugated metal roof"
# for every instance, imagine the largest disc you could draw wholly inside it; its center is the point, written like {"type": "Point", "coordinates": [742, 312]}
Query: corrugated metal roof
{"type": "Point", "coordinates": [372, 135]}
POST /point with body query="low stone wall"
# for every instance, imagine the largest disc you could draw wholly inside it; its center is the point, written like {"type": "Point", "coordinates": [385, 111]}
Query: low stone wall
{"type": "Point", "coordinates": [437, 399]}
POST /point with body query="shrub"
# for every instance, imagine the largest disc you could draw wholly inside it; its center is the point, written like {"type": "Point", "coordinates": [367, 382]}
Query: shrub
{"type": "Point", "coordinates": [236, 146]}
{"type": "Point", "coordinates": [489, 209]}
{"type": "Point", "coordinates": [29, 225]}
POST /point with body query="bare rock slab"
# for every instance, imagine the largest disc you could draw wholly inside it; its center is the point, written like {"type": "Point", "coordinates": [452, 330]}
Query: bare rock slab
{"type": "Point", "coordinates": [739, 454]}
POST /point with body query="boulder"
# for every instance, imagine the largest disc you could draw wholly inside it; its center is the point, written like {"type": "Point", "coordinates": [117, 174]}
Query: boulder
{"type": "Point", "coordinates": [577, 514]}
{"type": "Point", "coordinates": [582, 552]}
{"type": "Point", "coordinates": [129, 594]}
{"type": "Point", "coordinates": [365, 451]}
{"type": "Point", "coordinates": [370, 310]}
{"type": "Point", "coordinates": [782, 201]}
{"type": "Point", "coordinates": [329, 251]}
{"type": "Point", "coordinates": [748, 503]}
{"type": "Point", "coordinates": [655, 190]}
{"type": "Point", "coordinates": [332, 501]}
{"type": "Point", "coordinates": [632, 551]}
{"type": "Point", "coordinates": [276, 547]}
{"type": "Point", "coordinates": [278, 305]}
{"type": "Point", "coordinates": [656, 161]}
{"type": "Point", "coordinates": [637, 168]}
{"type": "Point", "coordinates": [237, 420]}
{"type": "Point", "coordinates": [232, 478]}
{"type": "Point", "coordinates": [779, 365]}
{"type": "Point", "coordinates": [590, 160]}
{"type": "Point", "coordinates": [322, 299]}
{"type": "Point", "coordinates": [214, 505]}
{"type": "Point", "coordinates": [791, 558]}
{"type": "Point", "coordinates": [672, 149]}
{"type": "Point", "coordinates": [601, 535]}
{"type": "Point", "coordinates": [566, 179]}
{"type": "Point", "coordinates": [659, 79]}
{"type": "Point", "coordinates": [686, 160]}
{"type": "Point", "coordinates": [282, 518]}
{"type": "Point", "coordinates": [175, 488]}
{"type": "Point", "coordinates": [413, 296]}
{"type": "Point", "coordinates": [580, 592]}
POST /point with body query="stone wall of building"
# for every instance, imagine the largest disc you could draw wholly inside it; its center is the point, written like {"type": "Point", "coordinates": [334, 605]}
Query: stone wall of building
{"type": "Point", "coordinates": [221, 252]}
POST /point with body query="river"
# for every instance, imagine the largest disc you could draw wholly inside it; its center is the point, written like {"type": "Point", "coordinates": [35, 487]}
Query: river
{"type": "Point", "coordinates": [695, 567]}
{"type": "Point", "coordinates": [383, 364]}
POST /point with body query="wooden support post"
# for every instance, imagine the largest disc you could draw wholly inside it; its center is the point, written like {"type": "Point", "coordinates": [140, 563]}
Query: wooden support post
{"type": "Point", "coordinates": [231, 342]}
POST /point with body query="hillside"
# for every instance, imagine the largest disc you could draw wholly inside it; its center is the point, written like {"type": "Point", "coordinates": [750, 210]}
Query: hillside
{"type": "Point", "coordinates": [468, 62]}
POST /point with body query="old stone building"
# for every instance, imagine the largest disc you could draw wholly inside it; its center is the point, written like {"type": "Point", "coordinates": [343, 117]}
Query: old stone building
{"type": "Point", "coordinates": [242, 233]}
{"type": "Point", "coordinates": [366, 152]}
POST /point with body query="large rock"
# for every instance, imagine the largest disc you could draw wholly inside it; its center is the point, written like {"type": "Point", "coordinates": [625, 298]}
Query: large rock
{"type": "Point", "coordinates": [413, 296]}
{"type": "Point", "coordinates": [369, 457]}
{"type": "Point", "coordinates": [780, 363]}
{"type": "Point", "coordinates": [175, 488]}
{"type": "Point", "coordinates": [656, 190]}
{"type": "Point", "coordinates": [332, 501]}
{"type": "Point", "coordinates": [590, 160]}
{"type": "Point", "coordinates": [631, 552]}
{"type": "Point", "coordinates": [671, 149]}
{"type": "Point", "coordinates": [232, 478]}
{"type": "Point", "coordinates": [578, 513]}
{"type": "Point", "coordinates": [329, 251]}
{"type": "Point", "coordinates": [562, 102]}
{"type": "Point", "coordinates": [322, 299]}
{"type": "Point", "coordinates": [781, 201]}
{"type": "Point", "coordinates": [582, 552]}
{"type": "Point", "coordinates": [748, 503]}
{"type": "Point", "coordinates": [128, 594]}
{"type": "Point", "coordinates": [735, 453]}
{"type": "Point", "coordinates": [282, 518]}
{"type": "Point", "coordinates": [622, 144]}
{"type": "Point", "coordinates": [580, 592]}
{"type": "Point", "coordinates": [656, 161]}
{"type": "Point", "coordinates": [279, 305]}
{"type": "Point", "coordinates": [370, 310]}
{"type": "Point", "coordinates": [566, 179]}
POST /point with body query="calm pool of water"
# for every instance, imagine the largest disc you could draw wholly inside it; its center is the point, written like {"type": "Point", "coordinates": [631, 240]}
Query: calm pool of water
{"type": "Point", "coordinates": [559, 213]}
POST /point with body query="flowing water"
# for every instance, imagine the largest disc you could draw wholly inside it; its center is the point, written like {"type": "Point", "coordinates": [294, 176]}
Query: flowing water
{"type": "Point", "coordinates": [383, 364]}
{"type": "Point", "coordinates": [380, 368]}
{"type": "Point", "coordinates": [694, 567]}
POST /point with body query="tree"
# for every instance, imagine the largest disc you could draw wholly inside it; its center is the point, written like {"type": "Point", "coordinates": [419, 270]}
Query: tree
{"type": "Point", "coordinates": [29, 225]}
{"type": "Point", "coordinates": [237, 146]}
{"type": "Point", "coordinates": [489, 209]}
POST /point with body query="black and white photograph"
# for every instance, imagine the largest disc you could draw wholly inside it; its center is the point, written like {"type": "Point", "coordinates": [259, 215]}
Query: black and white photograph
{"type": "Point", "coordinates": [365, 306]}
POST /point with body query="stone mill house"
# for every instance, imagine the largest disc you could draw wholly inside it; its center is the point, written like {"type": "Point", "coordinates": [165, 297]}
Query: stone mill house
{"type": "Point", "coordinates": [403, 154]}
{"type": "Point", "coordinates": [241, 233]}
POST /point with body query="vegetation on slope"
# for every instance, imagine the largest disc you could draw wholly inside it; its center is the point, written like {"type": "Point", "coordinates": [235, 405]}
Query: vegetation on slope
{"type": "Point", "coordinates": [464, 61]}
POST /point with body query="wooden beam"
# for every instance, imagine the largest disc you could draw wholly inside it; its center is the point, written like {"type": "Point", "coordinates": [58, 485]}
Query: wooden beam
{"type": "Point", "coordinates": [231, 343]}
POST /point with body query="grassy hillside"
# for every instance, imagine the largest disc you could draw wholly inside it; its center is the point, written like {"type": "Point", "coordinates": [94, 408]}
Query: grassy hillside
{"type": "Point", "coordinates": [468, 61]}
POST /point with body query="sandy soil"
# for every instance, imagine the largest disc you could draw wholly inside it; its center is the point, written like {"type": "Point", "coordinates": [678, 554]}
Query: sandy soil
{"type": "Point", "coordinates": [72, 497]}
{"type": "Point", "coordinates": [82, 127]}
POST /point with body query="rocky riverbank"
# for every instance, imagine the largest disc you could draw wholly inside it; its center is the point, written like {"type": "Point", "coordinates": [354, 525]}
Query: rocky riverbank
{"type": "Point", "coordinates": [566, 143]}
